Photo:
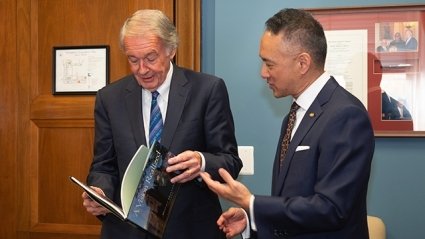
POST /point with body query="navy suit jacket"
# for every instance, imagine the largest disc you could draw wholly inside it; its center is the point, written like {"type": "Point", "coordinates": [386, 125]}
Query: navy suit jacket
{"type": "Point", "coordinates": [198, 118]}
{"type": "Point", "coordinates": [321, 189]}
{"type": "Point", "coordinates": [412, 44]}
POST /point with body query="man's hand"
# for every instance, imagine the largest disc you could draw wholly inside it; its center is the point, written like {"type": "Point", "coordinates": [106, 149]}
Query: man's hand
{"type": "Point", "coordinates": [231, 190]}
{"type": "Point", "coordinates": [186, 164]}
{"type": "Point", "coordinates": [232, 222]}
{"type": "Point", "coordinates": [93, 207]}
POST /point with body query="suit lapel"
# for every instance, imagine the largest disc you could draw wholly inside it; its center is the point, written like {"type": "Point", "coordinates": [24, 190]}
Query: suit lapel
{"type": "Point", "coordinates": [133, 103]}
{"type": "Point", "coordinates": [179, 91]}
{"type": "Point", "coordinates": [276, 164]}
{"type": "Point", "coordinates": [310, 117]}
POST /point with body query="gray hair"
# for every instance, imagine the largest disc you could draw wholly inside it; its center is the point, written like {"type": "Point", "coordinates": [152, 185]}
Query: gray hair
{"type": "Point", "coordinates": [150, 22]}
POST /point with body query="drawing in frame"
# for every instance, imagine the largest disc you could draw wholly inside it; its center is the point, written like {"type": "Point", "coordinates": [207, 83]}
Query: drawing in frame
{"type": "Point", "coordinates": [80, 70]}
{"type": "Point", "coordinates": [377, 53]}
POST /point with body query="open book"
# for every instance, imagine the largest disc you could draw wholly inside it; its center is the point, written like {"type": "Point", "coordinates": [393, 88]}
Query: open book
{"type": "Point", "coordinates": [147, 195]}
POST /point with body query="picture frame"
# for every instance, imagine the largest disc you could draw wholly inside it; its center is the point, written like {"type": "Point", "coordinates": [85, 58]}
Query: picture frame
{"type": "Point", "coordinates": [390, 81]}
{"type": "Point", "coordinates": [80, 70]}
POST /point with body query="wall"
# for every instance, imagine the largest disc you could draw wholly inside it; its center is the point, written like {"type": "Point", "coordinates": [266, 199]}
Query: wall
{"type": "Point", "coordinates": [231, 33]}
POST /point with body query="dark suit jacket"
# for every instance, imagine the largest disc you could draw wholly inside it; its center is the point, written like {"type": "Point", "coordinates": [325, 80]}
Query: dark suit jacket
{"type": "Point", "coordinates": [198, 118]}
{"type": "Point", "coordinates": [390, 109]}
{"type": "Point", "coordinates": [321, 190]}
{"type": "Point", "coordinates": [412, 44]}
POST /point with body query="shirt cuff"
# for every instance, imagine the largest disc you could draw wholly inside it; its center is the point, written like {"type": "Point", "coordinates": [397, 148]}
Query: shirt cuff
{"type": "Point", "coordinates": [199, 179]}
{"type": "Point", "coordinates": [246, 232]}
{"type": "Point", "coordinates": [202, 161]}
{"type": "Point", "coordinates": [251, 213]}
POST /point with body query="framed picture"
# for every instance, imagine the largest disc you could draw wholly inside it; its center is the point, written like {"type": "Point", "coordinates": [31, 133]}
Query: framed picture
{"type": "Point", "coordinates": [80, 69]}
{"type": "Point", "coordinates": [378, 54]}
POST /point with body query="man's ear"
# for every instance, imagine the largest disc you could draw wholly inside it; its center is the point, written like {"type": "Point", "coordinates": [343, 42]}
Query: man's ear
{"type": "Point", "coordinates": [304, 61]}
{"type": "Point", "coordinates": [172, 54]}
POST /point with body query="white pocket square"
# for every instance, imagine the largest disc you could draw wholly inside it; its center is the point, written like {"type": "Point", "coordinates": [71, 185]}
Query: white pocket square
{"type": "Point", "coordinates": [301, 148]}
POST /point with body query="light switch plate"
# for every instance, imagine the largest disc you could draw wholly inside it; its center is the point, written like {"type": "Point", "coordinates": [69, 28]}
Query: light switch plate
{"type": "Point", "coordinates": [246, 153]}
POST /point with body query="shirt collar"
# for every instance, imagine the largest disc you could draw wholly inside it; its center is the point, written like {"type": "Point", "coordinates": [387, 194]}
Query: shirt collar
{"type": "Point", "coordinates": [307, 97]}
{"type": "Point", "coordinates": [164, 88]}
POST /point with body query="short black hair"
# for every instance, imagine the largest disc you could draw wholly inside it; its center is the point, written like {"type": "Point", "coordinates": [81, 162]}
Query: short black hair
{"type": "Point", "coordinates": [301, 29]}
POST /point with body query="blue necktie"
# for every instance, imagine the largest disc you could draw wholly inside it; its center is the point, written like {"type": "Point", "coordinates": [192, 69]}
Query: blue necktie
{"type": "Point", "coordinates": [155, 124]}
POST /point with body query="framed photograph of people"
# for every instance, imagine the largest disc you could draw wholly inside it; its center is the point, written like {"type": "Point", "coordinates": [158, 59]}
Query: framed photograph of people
{"type": "Point", "coordinates": [80, 69]}
{"type": "Point", "coordinates": [378, 54]}
{"type": "Point", "coordinates": [396, 36]}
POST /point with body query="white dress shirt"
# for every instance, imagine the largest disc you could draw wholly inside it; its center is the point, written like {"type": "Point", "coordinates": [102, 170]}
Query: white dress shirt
{"type": "Point", "coordinates": [164, 91]}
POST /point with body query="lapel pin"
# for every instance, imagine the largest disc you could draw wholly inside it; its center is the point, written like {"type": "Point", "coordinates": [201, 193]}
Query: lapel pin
{"type": "Point", "coordinates": [311, 114]}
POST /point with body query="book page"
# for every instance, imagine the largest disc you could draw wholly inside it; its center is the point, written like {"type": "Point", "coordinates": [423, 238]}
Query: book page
{"type": "Point", "coordinates": [132, 177]}
{"type": "Point", "coordinates": [102, 200]}
{"type": "Point", "coordinates": [155, 193]}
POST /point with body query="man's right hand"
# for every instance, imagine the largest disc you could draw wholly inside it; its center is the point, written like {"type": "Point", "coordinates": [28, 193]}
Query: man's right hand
{"type": "Point", "coordinates": [232, 222]}
{"type": "Point", "coordinates": [93, 207]}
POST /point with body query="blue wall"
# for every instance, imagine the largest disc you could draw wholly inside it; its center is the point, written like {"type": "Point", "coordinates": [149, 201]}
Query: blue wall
{"type": "Point", "coordinates": [231, 33]}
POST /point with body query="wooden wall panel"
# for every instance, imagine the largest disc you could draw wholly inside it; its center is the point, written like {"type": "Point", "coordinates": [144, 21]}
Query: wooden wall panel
{"type": "Point", "coordinates": [61, 236]}
{"type": "Point", "coordinates": [189, 28]}
{"type": "Point", "coordinates": [8, 119]}
{"type": "Point", "coordinates": [63, 151]}
{"type": "Point", "coordinates": [78, 22]}
{"type": "Point", "coordinates": [167, 6]}
{"type": "Point", "coordinates": [55, 133]}
{"type": "Point", "coordinates": [24, 85]}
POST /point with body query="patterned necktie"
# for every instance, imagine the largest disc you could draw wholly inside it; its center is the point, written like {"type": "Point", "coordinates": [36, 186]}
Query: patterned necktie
{"type": "Point", "coordinates": [287, 137]}
{"type": "Point", "coordinates": [155, 125]}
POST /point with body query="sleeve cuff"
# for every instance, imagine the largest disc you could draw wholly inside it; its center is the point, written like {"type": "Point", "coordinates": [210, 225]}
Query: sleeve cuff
{"type": "Point", "coordinates": [199, 179]}
{"type": "Point", "coordinates": [247, 232]}
{"type": "Point", "coordinates": [251, 213]}
{"type": "Point", "coordinates": [202, 161]}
